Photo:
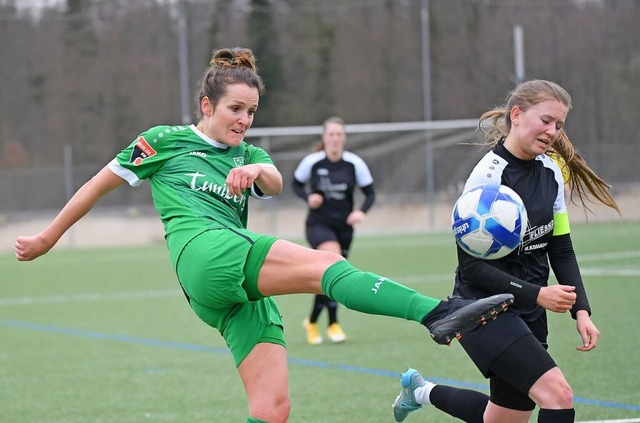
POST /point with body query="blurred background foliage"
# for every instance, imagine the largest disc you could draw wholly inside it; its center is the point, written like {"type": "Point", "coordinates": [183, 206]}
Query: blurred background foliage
{"type": "Point", "coordinates": [93, 74]}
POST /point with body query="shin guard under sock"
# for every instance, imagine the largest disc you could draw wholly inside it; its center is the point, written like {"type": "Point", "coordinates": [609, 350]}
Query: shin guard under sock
{"type": "Point", "coordinates": [546, 415]}
{"type": "Point", "coordinates": [465, 404]}
{"type": "Point", "coordinates": [373, 294]}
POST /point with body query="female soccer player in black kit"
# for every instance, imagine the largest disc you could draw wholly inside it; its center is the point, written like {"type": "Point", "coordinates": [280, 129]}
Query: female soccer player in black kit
{"type": "Point", "coordinates": [512, 352]}
{"type": "Point", "coordinates": [332, 175]}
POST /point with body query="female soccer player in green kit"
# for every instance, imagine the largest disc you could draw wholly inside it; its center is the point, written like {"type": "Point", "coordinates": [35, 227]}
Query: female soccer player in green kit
{"type": "Point", "coordinates": [201, 177]}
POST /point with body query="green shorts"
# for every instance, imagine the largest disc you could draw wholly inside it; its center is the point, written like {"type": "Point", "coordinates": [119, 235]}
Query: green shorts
{"type": "Point", "coordinates": [218, 271]}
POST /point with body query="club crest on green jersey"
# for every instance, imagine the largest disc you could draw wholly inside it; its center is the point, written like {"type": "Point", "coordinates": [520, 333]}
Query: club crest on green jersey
{"type": "Point", "coordinates": [141, 151]}
{"type": "Point", "coordinates": [239, 161]}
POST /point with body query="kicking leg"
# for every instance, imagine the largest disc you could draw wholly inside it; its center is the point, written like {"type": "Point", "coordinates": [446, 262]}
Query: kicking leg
{"type": "Point", "coordinates": [289, 268]}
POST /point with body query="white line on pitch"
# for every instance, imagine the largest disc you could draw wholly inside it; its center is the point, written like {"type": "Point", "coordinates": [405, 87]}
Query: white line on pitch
{"type": "Point", "coordinates": [104, 296]}
{"type": "Point", "coordinates": [596, 271]}
{"type": "Point", "coordinates": [616, 255]}
{"type": "Point", "coordinates": [612, 421]}
{"type": "Point", "coordinates": [57, 299]}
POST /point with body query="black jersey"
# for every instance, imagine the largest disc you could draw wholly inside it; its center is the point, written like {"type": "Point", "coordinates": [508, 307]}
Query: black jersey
{"type": "Point", "coordinates": [539, 183]}
{"type": "Point", "coordinates": [335, 181]}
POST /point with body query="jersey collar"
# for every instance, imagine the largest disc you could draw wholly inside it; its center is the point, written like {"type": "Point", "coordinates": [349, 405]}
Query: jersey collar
{"type": "Point", "coordinates": [207, 139]}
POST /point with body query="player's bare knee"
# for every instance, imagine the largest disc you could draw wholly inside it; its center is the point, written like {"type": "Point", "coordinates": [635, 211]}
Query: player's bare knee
{"type": "Point", "coordinates": [273, 412]}
{"type": "Point", "coordinates": [557, 395]}
{"type": "Point", "coordinates": [327, 258]}
{"type": "Point", "coordinates": [565, 396]}
{"type": "Point", "coordinates": [281, 411]}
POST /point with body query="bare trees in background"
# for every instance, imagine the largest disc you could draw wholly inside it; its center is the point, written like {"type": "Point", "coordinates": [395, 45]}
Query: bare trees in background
{"type": "Point", "coordinates": [93, 74]}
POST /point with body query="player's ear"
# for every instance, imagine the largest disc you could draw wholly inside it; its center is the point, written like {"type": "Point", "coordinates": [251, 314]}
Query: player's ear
{"type": "Point", "coordinates": [514, 115]}
{"type": "Point", "coordinates": [205, 106]}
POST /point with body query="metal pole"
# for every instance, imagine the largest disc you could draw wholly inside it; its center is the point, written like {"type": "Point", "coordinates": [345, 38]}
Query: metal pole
{"type": "Point", "coordinates": [426, 105]}
{"type": "Point", "coordinates": [183, 56]}
{"type": "Point", "coordinates": [518, 49]}
{"type": "Point", "coordinates": [426, 60]}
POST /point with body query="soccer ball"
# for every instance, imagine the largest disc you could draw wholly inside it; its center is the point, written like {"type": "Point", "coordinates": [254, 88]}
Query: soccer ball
{"type": "Point", "coordinates": [489, 221]}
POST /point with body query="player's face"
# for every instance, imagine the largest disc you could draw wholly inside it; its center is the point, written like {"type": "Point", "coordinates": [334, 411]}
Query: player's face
{"type": "Point", "coordinates": [333, 139]}
{"type": "Point", "coordinates": [535, 130]}
{"type": "Point", "coordinates": [229, 120]}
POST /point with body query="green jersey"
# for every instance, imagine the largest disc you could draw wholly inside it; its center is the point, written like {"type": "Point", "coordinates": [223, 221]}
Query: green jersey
{"type": "Point", "coordinates": [187, 171]}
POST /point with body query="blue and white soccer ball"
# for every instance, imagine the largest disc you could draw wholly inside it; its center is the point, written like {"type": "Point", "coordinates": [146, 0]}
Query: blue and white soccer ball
{"type": "Point", "coordinates": [489, 221]}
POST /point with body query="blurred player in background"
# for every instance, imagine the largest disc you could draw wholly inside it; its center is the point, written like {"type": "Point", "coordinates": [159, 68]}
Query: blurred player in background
{"type": "Point", "coordinates": [332, 175]}
{"type": "Point", "coordinates": [512, 351]}
{"type": "Point", "coordinates": [201, 177]}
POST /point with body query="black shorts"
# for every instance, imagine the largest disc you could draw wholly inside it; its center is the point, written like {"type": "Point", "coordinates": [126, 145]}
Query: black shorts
{"type": "Point", "coordinates": [317, 233]}
{"type": "Point", "coordinates": [512, 354]}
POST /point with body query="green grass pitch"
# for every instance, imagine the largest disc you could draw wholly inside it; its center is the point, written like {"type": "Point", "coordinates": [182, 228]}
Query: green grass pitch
{"type": "Point", "coordinates": [105, 335]}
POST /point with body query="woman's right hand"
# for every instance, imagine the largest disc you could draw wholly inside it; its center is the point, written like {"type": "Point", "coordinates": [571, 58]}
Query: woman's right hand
{"type": "Point", "coordinates": [315, 200]}
{"type": "Point", "coordinates": [557, 298]}
{"type": "Point", "coordinates": [31, 247]}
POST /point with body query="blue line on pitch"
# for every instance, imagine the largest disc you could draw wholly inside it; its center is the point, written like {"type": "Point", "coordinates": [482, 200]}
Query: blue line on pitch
{"type": "Point", "coordinates": [292, 360]}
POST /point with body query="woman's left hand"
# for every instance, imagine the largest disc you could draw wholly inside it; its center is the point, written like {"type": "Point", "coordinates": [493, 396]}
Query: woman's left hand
{"type": "Point", "coordinates": [355, 217]}
{"type": "Point", "coordinates": [241, 178]}
{"type": "Point", "coordinates": [587, 330]}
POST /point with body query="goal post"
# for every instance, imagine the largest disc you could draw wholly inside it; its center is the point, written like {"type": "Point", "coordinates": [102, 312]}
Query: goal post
{"type": "Point", "coordinates": [414, 164]}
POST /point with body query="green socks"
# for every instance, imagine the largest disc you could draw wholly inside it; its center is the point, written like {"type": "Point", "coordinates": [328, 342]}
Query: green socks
{"type": "Point", "coordinates": [373, 294]}
{"type": "Point", "coordinates": [252, 420]}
